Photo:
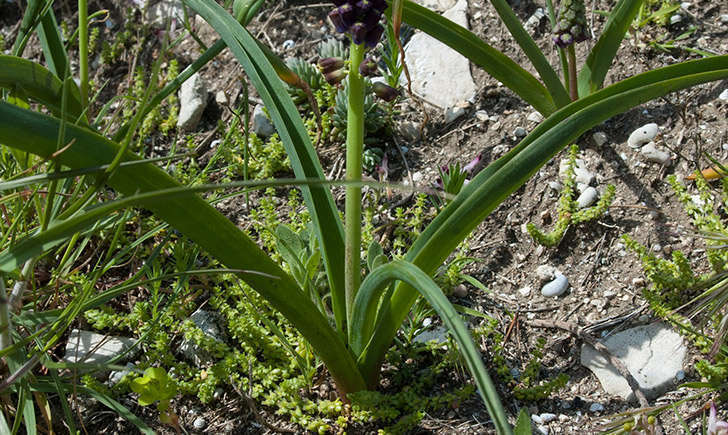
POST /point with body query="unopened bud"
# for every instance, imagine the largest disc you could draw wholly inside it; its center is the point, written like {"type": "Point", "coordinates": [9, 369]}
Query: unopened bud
{"type": "Point", "coordinates": [386, 93]}
{"type": "Point", "coordinates": [368, 67]}
{"type": "Point", "coordinates": [330, 64]}
{"type": "Point", "coordinates": [335, 77]}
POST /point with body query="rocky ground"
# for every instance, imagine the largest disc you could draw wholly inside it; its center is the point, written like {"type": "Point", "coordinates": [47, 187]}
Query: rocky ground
{"type": "Point", "coordinates": [595, 281]}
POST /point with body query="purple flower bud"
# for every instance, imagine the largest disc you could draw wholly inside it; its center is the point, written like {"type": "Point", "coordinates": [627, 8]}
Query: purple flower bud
{"type": "Point", "coordinates": [335, 77]}
{"type": "Point", "coordinates": [358, 32]}
{"type": "Point", "coordinates": [473, 163]}
{"type": "Point", "coordinates": [364, 5]}
{"type": "Point", "coordinates": [374, 35]}
{"type": "Point", "coordinates": [330, 64]}
{"type": "Point", "coordinates": [368, 67]}
{"type": "Point", "coordinates": [386, 93]}
{"type": "Point", "coordinates": [342, 17]}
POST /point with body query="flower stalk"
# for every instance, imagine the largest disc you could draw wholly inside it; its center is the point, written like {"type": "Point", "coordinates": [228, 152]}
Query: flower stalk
{"type": "Point", "coordinates": [354, 150]}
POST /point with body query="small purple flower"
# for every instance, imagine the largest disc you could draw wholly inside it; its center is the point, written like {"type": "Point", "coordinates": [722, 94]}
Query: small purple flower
{"type": "Point", "coordinates": [571, 23]}
{"type": "Point", "coordinates": [715, 426]}
{"type": "Point", "coordinates": [359, 18]}
{"type": "Point", "coordinates": [470, 167]}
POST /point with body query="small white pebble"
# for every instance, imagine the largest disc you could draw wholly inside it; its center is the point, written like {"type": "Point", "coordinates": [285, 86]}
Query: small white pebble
{"type": "Point", "coordinates": [596, 407]}
{"type": "Point", "coordinates": [548, 417]}
{"type": "Point", "coordinates": [599, 138]}
{"type": "Point", "coordinates": [643, 135]}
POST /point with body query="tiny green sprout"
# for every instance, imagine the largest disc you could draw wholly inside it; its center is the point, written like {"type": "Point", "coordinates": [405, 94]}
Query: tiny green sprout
{"type": "Point", "coordinates": [156, 385]}
{"type": "Point", "coordinates": [628, 426]}
{"type": "Point", "coordinates": [651, 420]}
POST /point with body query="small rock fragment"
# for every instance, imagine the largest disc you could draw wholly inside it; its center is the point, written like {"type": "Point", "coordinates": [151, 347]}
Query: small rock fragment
{"type": "Point", "coordinates": [460, 291]}
{"type": "Point", "coordinates": [437, 334]}
{"type": "Point", "coordinates": [288, 44]}
{"type": "Point", "coordinates": [159, 14]}
{"type": "Point", "coordinates": [535, 117]}
{"type": "Point", "coordinates": [520, 132]}
{"type": "Point", "coordinates": [596, 407]}
{"type": "Point", "coordinates": [525, 291]}
{"type": "Point", "coordinates": [588, 197]}
{"type": "Point", "coordinates": [534, 20]}
{"type": "Point", "coordinates": [91, 348]}
{"type": "Point", "coordinates": [482, 115]}
{"type": "Point", "coordinates": [207, 322]}
{"type": "Point", "coordinates": [547, 417]}
{"type": "Point", "coordinates": [676, 18]}
{"type": "Point", "coordinates": [652, 154]}
{"type": "Point", "coordinates": [556, 287]}
{"type": "Point", "coordinates": [193, 100]}
{"type": "Point", "coordinates": [410, 131]}
{"type": "Point", "coordinates": [642, 135]}
{"type": "Point", "coordinates": [199, 423]}
{"type": "Point", "coordinates": [555, 185]}
{"type": "Point", "coordinates": [723, 95]}
{"type": "Point", "coordinates": [599, 138]}
{"type": "Point", "coordinates": [545, 272]}
{"type": "Point", "coordinates": [117, 375]}
{"type": "Point", "coordinates": [262, 125]}
{"type": "Point", "coordinates": [221, 98]}
{"type": "Point", "coordinates": [454, 112]}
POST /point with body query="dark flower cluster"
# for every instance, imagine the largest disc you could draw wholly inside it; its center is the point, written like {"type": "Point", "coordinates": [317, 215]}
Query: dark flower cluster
{"type": "Point", "coordinates": [571, 23]}
{"type": "Point", "coordinates": [360, 19]}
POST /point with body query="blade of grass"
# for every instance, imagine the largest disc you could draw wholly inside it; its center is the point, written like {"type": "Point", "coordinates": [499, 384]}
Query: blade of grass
{"type": "Point", "coordinates": [304, 161]}
{"type": "Point", "coordinates": [491, 60]}
{"type": "Point", "coordinates": [592, 75]}
{"type": "Point", "coordinates": [194, 217]}
{"type": "Point", "coordinates": [365, 312]}
{"type": "Point", "coordinates": [534, 54]}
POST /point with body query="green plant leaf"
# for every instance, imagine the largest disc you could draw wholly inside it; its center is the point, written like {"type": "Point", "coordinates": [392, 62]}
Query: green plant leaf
{"type": "Point", "coordinates": [591, 77]}
{"type": "Point", "coordinates": [304, 161]}
{"type": "Point", "coordinates": [491, 60]}
{"type": "Point", "coordinates": [492, 185]}
{"type": "Point", "coordinates": [365, 312]}
{"type": "Point", "coordinates": [534, 54]}
{"type": "Point", "coordinates": [523, 424]}
{"type": "Point", "coordinates": [29, 79]}
{"type": "Point", "coordinates": [191, 215]}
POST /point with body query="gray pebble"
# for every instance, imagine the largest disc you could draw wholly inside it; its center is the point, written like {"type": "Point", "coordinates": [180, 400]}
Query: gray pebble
{"type": "Point", "coordinates": [599, 138]}
{"type": "Point", "coordinates": [535, 117]}
{"type": "Point", "coordinates": [288, 44]}
{"type": "Point", "coordinates": [652, 154]}
{"type": "Point", "coordinates": [555, 185]}
{"type": "Point", "coordinates": [556, 287]}
{"type": "Point", "coordinates": [453, 113]}
{"type": "Point", "coordinates": [460, 291]}
{"type": "Point", "coordinates": [547, 417]}
{"type": "Point", "coordinates": [262, 125]}
{"type": "Point", "coordinates": [482, 115]}
{"type": "Point", "coordinates": [643, 135]}
{"type": "Point", "coordinates": [679, 376]}
{"type": "Point", "coordinates": [545, 272]}
{"type": "Point", "coordinates": [199, 423]}
{"type": "Point", "coordinates": [724, 95]}
{"type": "Point", "coordinates": [676, 18]}
{"type": "Point", "coordinates": [588, 197]}
{"type": "Point", "coordinates": [543, 429]}
{"type": "Point", "coordinates": [723, 18]}
{"type": "Point", "coordinates": [596, 407]}
{"type": "Point", "coordinates": [520, 132]}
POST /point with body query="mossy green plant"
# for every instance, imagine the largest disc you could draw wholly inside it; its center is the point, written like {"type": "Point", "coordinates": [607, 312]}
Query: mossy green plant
{"type": "Point", "coordinates": [568, 209]}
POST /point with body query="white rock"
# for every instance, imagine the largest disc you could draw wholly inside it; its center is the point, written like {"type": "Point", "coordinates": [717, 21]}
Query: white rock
{"type": "Point", "coordinates": [454, 112]}
{"type": "Point", "coordinates": [596, 407]}
{"type": "Point", "coordinates": [535, 117]}
{"type": "Point", "coordinates": [680, 375]}
{"type": "Point", "coordinates": [288, 44]}
{"type": "Point", "coordinates": [723, 18]}
{"type": "Point", "coordinates": [199, 423]}
{"type": "Point", "coordinates": [583, 175]}
{"type": "Point", "coordinates": [652, 154]}
{"type": "Point", "coordinates": [555, 185]}
{"type": "Point", "coordinates": [676, 18]}
{"type": "Point", "coordinates": [685, 5]}
{"type": "Point", "coordinates": [482, 115]}
{"type": "Point", "coordinates": [525, 291]}
{"type": "Point", "coordinates": [652, 353]}
{"type": "Point", "coordinates": [581, 187]}
{"type": "Point", "coordinates": [588, 197]}
{"type": "Point", "coordinates": [117, 375]}
{"type": "Point", "coordinates": [556, 287]}
{"type": "Point", "coordinates": [221, 98]}
{"type": "Point", "coordinates": [440, 74]}
{"type": "Point", "coordinates": [545, 272]}
{"type": "Point", "coordinates": [536, 419]}
{"type": "Point", "coordinates": [534, 20]}
{"type": "Point", "coordinates": [193, 100]}
{"type": "Point", "coordinates": [438, 334]}
{"type": "Point", "coordinates": [599, 138]}
{"type": "Point", "coordinates": [724, 95]}
{"type": "Point", "coordinates": [410, 131]}
{"type": "Point", "coordinates": [91, 348]}
{"type": "Point", "coordinates": [159, 14]}
{"type": "Point", "coordinates": [262, 125]}
{"type": "Point", "coordinates": [547, 417]}
{"type": "Point", "coordinates": [643, 135]}
{"type": "Point", "coordinates": [207, 322]}
{"type": "Point", "coordinates": [544, 430]}
{"type": "Point", "coordinates": [437, 5]}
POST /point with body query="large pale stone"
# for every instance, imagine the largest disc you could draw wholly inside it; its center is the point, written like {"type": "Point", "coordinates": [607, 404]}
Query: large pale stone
{"type": "Point", "coordinates": [92, 348]}
{"type": "Point", "coordinates": [192, 102]}
{"type": "Point", "coordinates": [440, 74]}
{"type": "Point", "coordinates": [653, 354]}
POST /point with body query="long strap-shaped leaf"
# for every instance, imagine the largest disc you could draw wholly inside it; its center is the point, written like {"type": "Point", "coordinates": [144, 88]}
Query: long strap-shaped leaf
{"type": "Point", "coordinates": [534, 54]}
{"type": "Point", "coordinates": [365, 308]}
{"type": "Point", "coordinates": [500, 179]}
{"type": "Point", "coordinates": [191, 215]}
{"type": "Point", "coordinates": [591, 77]}
{"type": "Point", "coordinates": [30, 79]}
{"type": "Point", "coordinates": [491, 60]}
{"type": "Point", "coordinates": [293, 134]}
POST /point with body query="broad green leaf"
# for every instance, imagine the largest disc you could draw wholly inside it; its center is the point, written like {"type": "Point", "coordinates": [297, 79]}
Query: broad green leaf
{"type": "Point", "coordinates": [365, 312]}
{"type": "Point", "coordinates": [304, 161]}
{"type": "Point", "coordinates": [491, 60]}
{"type": "Point", "coordinates": [523, 424]}
{"type": "Point", "coordinates": [191, 215]}
{"type": "Point", "coordinates": [492, 185]}
{"type": "Point", "coordinates": [29, 79]}
{"type": "Point", "coordinates": [592, 75]}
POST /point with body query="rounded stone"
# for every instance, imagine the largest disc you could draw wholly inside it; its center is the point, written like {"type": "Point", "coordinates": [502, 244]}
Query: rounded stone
{"type": "Point", "coordinates": [557, 287]}
{"type": "Point", "coordinates": [643, 135]}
